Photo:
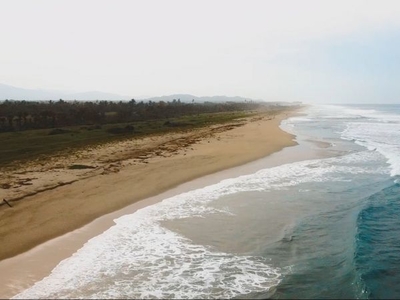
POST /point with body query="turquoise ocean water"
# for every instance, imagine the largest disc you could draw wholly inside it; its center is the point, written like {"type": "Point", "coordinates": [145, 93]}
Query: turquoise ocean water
{"type": "Point", "coordinates": [318, 228]}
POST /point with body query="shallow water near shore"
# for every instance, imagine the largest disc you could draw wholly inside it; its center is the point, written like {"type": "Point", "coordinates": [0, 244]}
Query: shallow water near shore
{"type": "Point", "coordinates": [316, 228]}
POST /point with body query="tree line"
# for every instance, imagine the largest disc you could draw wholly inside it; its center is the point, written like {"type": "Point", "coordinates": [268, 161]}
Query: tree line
{"type": "Point", "coordinates": [27, 115]}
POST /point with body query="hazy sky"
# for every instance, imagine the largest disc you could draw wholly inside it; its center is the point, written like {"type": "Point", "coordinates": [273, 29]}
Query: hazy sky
{"type": "Point", "coordinates": [312, 51]}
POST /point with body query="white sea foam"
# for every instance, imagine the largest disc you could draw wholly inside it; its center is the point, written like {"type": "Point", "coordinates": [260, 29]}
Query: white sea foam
{"type": "Point", "coordinates": [139, 258]}
{"type": "Point", "coordinates": [300, 119]}
{"type": "Point", "coordinates": [376, 130]}
{"type": "Point", "coordinates": [360, 112]}
{"type": "Point", "coordinates": [336, 112]}
{"type": "Point", "coordinates": [376, 136]}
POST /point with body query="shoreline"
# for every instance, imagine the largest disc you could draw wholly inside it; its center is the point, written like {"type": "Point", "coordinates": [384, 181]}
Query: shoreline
{"type": "Point", "coordinates": [28, 267]}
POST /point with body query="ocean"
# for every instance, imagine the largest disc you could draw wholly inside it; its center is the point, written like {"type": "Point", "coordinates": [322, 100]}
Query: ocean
{"type": "Point", "coordinates": [322, 227]}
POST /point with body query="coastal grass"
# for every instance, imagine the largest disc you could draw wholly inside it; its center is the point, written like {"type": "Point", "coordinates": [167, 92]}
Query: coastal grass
{"type": "Point", "coordinates": [21, 146]}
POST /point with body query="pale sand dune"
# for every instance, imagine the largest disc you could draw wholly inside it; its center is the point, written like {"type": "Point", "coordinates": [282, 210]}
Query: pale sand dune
{"type": "Point", "coordinates": [124, 173]}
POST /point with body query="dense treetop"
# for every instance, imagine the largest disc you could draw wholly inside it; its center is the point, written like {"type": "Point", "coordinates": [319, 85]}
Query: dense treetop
{"type": "Point", "coordinates": [24, 115]}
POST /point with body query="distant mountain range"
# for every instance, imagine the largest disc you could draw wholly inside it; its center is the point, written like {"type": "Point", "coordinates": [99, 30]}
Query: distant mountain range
{"type": "Point", "coordinates": [14, 93]}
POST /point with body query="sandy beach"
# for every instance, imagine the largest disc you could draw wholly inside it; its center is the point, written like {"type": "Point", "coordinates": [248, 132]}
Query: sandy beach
{"type": "Point", "coordinates": [50, 199]}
